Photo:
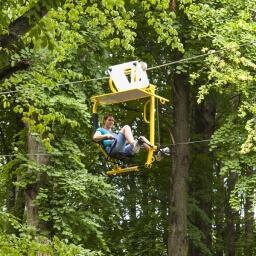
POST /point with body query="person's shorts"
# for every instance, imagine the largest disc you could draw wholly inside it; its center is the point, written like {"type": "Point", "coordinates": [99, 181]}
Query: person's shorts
{"type": "Point", "coordinates": [120, 146]}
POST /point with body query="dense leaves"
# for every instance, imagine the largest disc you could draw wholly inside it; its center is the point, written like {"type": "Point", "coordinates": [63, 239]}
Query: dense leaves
{"type": "Point", "coordinates": [54, 196]}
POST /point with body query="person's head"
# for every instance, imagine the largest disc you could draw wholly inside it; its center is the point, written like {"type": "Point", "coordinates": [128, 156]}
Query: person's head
{"type": "Point", "coordinates": [108, 120]}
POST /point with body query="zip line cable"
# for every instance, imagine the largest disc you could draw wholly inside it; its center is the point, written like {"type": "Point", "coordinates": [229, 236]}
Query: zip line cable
{"type": "Point", "coordinates": [84, 81]}
{"type": "Point", "coordinates": [36, 154]}
{"type": "Point", "coordinates": [8, 92]}
{"type": "Point", "coordinates": [211, 52]}
{"type": "Point", "coordinates": [66, 153]}
{"type": "Point", "coordinates": [190, 142]}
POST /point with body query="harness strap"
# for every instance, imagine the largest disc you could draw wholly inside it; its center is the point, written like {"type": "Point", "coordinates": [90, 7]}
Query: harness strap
{"type": "Point", "coordinates": [111, 148]}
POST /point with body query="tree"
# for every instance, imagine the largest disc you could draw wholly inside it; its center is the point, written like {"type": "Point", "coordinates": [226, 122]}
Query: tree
{"type": "Point", "coordinates": [201, 202]}
{"type": "Point", "coordinates": [53, 120]}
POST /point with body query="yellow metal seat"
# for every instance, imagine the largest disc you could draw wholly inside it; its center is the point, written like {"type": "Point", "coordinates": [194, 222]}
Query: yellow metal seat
{"type": "Point", "coordinates": [117, 168]}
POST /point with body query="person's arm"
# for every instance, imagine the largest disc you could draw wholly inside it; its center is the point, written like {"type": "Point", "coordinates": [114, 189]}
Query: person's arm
{"type": "Point", "coordinates": [98, 136]}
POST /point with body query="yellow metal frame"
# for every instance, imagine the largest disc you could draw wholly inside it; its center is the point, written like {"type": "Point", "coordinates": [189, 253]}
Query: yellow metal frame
{"type": "Point", "coordinates": [119, 170]}
{"type": "Point", "coordinates": [129, 95]}
{"type": "Point", "coordinates": [112, 88]}
{"type": "Point", "coordinates": [116, 169]}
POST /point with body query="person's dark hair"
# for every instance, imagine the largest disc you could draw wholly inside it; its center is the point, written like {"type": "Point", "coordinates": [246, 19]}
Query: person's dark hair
{"type": "Point", "coordinates": [107, 116]}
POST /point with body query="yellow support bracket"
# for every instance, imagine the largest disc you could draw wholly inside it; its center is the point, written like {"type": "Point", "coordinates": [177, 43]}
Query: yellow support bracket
{"type": "Point", "coordinates": [95, 106]}
{"type": "Point", "coordinates": [111, 86]}
{"type": "Point", "coordinates": [119, 170]}
{"type": "Point", "coordinates": [150, 157]}
{"type": "Point", "coordinates": [145, 112]}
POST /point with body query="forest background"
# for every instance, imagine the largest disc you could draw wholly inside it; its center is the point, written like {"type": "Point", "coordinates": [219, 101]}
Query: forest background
{"type": "Point", "coordinates": [55, 197]}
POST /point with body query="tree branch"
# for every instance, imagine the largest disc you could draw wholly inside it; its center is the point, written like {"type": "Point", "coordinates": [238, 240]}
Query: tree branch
{"type": "Point", "coordinates": [9, 70]}
{"type": "Point", "coordinates": [18, 28]}
{"type": "Point", "coordinates": [23, 24]}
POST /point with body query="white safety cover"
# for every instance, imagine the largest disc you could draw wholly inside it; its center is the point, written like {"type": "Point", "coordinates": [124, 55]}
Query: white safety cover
{"type": "Point", "coordinates": [129, 75]}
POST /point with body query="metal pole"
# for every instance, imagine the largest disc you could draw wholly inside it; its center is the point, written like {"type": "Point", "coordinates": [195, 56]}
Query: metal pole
{"type": "Point", "coordinates": [150, 157]}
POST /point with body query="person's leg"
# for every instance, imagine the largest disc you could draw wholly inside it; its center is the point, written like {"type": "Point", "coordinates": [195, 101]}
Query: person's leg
{"type": "Point", "coordinates": [119, 145]}
{"type": "Point", "coordinates": [145, 142]}
{"type": "Point", "coordinates": [127, 132]}
{"type": "Point", "coordinates": [133, 147]}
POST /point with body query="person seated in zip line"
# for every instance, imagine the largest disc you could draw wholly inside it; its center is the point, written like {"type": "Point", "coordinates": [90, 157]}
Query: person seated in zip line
{"type": "Point", "coordinates": [121, 143]}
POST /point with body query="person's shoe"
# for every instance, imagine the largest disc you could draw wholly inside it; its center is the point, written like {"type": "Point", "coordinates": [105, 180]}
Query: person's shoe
{"type": "Point", "coordinates": [162, 152]}
{"type": "Point", "coordinates": [135, 147]}
{"type": "Point", "coordinates": [159, 156]}
{"type": "Point", "coordinates": [166, 151]}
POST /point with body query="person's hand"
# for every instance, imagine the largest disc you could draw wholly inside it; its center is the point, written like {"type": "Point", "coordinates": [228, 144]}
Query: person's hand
{"type": "Point", "coordinates": [110, 137]}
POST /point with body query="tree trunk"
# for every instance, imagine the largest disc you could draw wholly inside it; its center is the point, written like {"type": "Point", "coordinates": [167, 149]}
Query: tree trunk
{"type": "Point", "coordinates": [219, 213]}
{"type": "Point", "coordinates": [202, 170]}
{"type": "Point", "coordinates": [28, 20]}
{"type": "Point", "coordinates": [17, 29]}
{"type": "Point", "coordinates": [37, 154]}
{"type": "Point", "coordinates": [230, 218]}
{"type": "Point", "coordinates": [249, 246]}
{"type": "Point", "coordinates": [177, 238]}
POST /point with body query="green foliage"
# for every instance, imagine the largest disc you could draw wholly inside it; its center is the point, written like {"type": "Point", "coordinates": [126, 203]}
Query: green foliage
{"type": "Point", "coordinates": [75, 204]}
{"type": "Point", "coordinates": [196, 236]}
{"type": "Point", "coordinates": [77, 40]}
{"type": "Point", "coordinates": [27, 243]}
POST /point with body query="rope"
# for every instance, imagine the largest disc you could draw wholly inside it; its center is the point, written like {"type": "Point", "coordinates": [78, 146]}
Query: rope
{"type": "Point", "coordinates": [84, 81]}
{"type": "Point", "coordinates": [199, 56]}
{"type": "Point", "coordinates": [34, 154]}
{"type": "Point", "coordinates": [66, 153]}
{"type": "Point", "coordinates": [8, 92]}
{"type": "Point", "coordinates": [211, 52]}
{"type": "Point", "coordinates": [190, 142]}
